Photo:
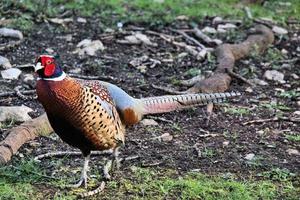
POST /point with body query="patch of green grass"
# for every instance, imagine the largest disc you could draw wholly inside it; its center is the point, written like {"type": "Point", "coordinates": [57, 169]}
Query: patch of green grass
{"type": "Point", "coordinates": [290, 94]}
{"type": "Point", "coordinates": [237, 111]}
{"type": "Point", "coordinates": [193, 72]}
{"type": "Point", "coordinates": [277, 174]}
{"type": "Point", "coordinates": [148, 184]}
{"type": "Point", "coordinates": [275, 106]}
{"type": "Point", "coordinates": [146, 11]}
{"type": "Point", "coordinates": [293, 138]}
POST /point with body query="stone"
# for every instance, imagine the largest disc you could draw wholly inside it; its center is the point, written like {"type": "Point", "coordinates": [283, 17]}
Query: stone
{"type": "Point", "coordinates": [4, 63]}
{"type": "Point", "coordinates": [81, 20]}
{"type": "Point", "coordinates": [295, 76]}
{"type": "Point", "coordinates": [12, 73]}
{"type": "Point", "coordinates": [259, 82]}
{"type": "Point", "coordinates": [17, 113]}
{"type": "Point", "coordinates": [149, 122]}
{"type": "Point", "coordinates": [227, 26]}
{"type": "Point", "coordinates": [166, 137]}
{"type": "Point", "coordinates": [89, 47]}
{"type": "Point", "coordinates": [297, 112]}
{"type": "Point", "coordinates": [250, 156]}
{"type": "Point", "coordinates": [8, 32]}
{"type": "Point", "coordinates": [210, 30]}
{"type": "Point", "coordinates": [217, 20]}
{"type": "Point", "coordinates": [293, 152]}
{"type": "Point", "coordinates": [274, 75]}
{"type": "Point", "coordinates": [279, 30]}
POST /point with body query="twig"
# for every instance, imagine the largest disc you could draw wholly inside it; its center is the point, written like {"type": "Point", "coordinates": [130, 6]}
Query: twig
{"type": "Point", "coordinates": [166, 89]}
{"type": "Point", "coordinates": [22, 96]}
{"type": "Point", "coordinates": [9, 94]}
{"type": "Point", "coordinates": [69, 153]}
{"type": "Point", "coordinates": [151, 164]}
{"type": "Point", "coordinates": [192, 81]}
{"type": "Point", "coordinates": [193, 40]}
{"type": "Point", "coordinates": [203, 36]}
{"type": "Point", "coordinates": [237, 76]}
{"type": "Point", "coordinates": [93, 192]}
{"type": "Point", "coordinates": [274, 119]}
{"type": "Point", "coordinates": [160, 119]}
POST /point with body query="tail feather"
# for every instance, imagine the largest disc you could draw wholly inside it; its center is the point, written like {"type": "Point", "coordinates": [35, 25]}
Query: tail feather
{"type": "Point", "coordinates": [169, 103]}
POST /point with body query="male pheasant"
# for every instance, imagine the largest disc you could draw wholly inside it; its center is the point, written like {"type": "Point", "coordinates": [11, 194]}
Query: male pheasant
{"type": "Point", "coordinates": [92, 115]}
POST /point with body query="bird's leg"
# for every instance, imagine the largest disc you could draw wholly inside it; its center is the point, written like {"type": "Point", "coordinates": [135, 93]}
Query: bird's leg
{"type": "Point", "coordinates": [84, 177]}
{"type": "Point", "coordinates": [109, 165]}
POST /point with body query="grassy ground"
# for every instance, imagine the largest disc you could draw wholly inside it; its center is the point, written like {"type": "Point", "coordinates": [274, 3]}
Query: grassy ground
{"type": "Point", "coordinates": [144, 11]}
{"type": "Point", "coordinates": [26, 180]}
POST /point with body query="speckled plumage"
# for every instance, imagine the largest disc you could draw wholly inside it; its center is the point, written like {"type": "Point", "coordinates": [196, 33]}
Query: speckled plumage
{"type": "Point", "coordinates": [82, 113]}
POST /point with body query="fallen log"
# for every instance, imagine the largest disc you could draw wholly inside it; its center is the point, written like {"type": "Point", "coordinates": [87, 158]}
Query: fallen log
{"type": "Point", "coordinates": [19, 135]}
{"type": "Point", "coordinates": [227, 54]}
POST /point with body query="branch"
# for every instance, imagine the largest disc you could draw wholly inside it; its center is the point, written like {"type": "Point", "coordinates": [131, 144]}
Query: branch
{"type": "Point", "coordinates": [21, 134]}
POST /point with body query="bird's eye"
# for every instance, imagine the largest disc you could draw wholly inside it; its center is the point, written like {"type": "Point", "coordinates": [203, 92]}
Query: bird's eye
{"type": "Point", "coordinates": [48, 62]}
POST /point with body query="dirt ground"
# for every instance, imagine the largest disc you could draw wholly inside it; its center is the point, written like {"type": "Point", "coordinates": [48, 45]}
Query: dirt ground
{"type": "Point", "coordinates": [223, 151]}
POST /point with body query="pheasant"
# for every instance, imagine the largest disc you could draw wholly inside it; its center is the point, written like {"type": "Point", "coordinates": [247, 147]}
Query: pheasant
{"type": "Point", "coordinates": [92, 115]}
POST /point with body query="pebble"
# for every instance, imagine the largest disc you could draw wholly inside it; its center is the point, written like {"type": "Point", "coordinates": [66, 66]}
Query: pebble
{"type": "Point", "coordinates": [18, 113]}
{"type": "Point", "coordinates": [81, 20]}
{"type": "Point", "coordinates": [209, 30]}
{"type": "Point", "coordinates": [166, 137]}
{"type": "Point", "coordinates": [149, 122]}
{"type": "Point", "coordinates": [4, 63]}
{"type": "Point", "coordinates": [293, 152]}
{"type": "Point", "coordinates": [295, 76]}
{"type": "Point", "coordinates": [279, 30]}
{"type": "Point", "coordinates": [259, 82]}
{"type": "Point", "coordinates": [274, 75]}
{"type": "Point", "coordinates": [296, 112]}
{"type": "Point", "coordinates": [250, 156]}
{"type": "Point", "coordinates": [12, 73]}
{"type": "Point", "coordinates": [227, 26]}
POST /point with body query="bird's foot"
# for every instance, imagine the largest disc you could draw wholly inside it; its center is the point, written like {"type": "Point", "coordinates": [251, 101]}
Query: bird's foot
{"type": "Point", "coordinates": [106, 169]}
{"type": "Point", "coordinates": [112, 164]}
{"type": "Point", "coordinates": [82, 181]}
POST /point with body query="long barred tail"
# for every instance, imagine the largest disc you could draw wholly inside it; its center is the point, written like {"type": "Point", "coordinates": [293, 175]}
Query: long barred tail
{"type": "Point", "coordinates": [169, 103]}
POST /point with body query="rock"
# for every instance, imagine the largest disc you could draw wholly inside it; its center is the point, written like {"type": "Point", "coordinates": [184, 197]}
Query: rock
{"type": "Point", "coordinates": [221, 30]}
{"type": "Point", "coordinates": [182, 17]}
{"type": "Point", "coordinates": [227, 26]}
{"type": "Point", "coordinates": [226, 143]}
{"type": "Point", "coordinates": [250, 156]}
{"type": "Point", "coordinates": [60, 21]}
{"type": "Point", "coordinates": [7, 32]}
{"type": "Point", "coordinates": [12, 73]}
{"type": "Point", "coordinates": [210, 30]}
{"type": "Point", "coordinates": [259, 82]}
{"type": "Point", "coordinates": [75, 71]}
{"type": "Point", "coordinates": [89, 47]}
{"type": "Point", "coordinates": [284, 51]}
{"type": "Point", "coordinates": [28, 78]}
{"type": "Point", "coordinates": [4, 63]}
{"type": "Point", "coordinates": [81, 20]}
{"type": "Point", "coordinates": [279, 30]}
{"type": "Point", "coordinates": [295, 76]}
{"type": "Point", "coordinates": [217, 20]}
{"type": "Point", "coordinates": [274, 75]}
{"type": "Point", "coordinates": [137, 38]}
{"type": "Point", "coordinates": [296, 112]}
{"type": "Point", "coordinates": [17, 113]}
{"type": "Point", "coordinates": [166, 137]}
{"type": "Point", "coordinates": [49, 50]}
{"type": "Point", "coordinates": [249, 89]}
{"type": "Point", "coordinates": [293, 152]}
{"type": "Point", "coordinates": [149, 122]}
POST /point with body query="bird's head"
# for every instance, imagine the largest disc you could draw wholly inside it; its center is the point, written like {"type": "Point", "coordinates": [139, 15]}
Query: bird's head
{"type": "Point", "coordinates": [47, 67]}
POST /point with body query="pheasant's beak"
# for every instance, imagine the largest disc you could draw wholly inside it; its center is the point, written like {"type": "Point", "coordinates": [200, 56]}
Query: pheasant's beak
{"type": "Point", "coordinates": [38, 66]}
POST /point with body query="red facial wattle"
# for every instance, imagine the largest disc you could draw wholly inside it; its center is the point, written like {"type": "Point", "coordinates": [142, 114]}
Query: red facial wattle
{"type": "Point", "coordinates": [49, 69]}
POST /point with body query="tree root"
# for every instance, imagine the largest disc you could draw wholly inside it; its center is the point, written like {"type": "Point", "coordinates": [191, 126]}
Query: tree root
{"type": "Point", "coordinates": [227, 54]}
{"type": "Point", "coordinates": [21, 134]}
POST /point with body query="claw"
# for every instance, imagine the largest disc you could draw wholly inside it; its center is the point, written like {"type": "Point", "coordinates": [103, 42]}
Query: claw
{"type": "Point", "coordinates": [84, 177]}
